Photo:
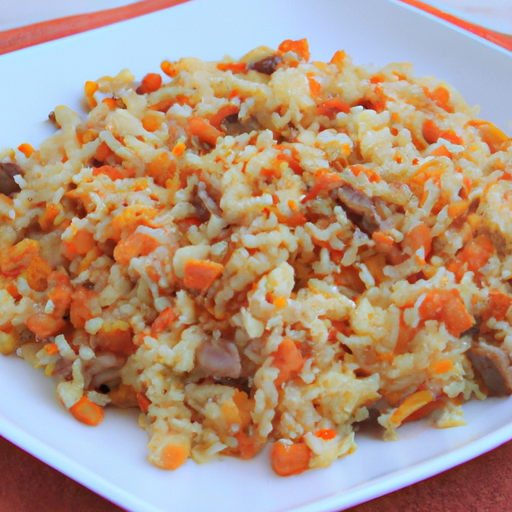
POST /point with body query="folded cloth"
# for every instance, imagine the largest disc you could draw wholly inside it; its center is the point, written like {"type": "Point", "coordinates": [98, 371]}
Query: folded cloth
{"type": "Point", "coordinates": [29, 35]}
{"type": "Point", "coordinates": [27, 12]}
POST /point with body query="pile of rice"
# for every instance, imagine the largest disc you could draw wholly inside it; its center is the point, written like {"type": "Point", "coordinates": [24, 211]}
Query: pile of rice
{"type": "Point", "coordinates": [263, 250]}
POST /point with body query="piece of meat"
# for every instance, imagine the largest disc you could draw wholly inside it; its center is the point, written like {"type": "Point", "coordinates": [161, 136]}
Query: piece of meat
{"type": "Point", "coordinates": [219, 358]}
{"type": "Point", "coordinates": [7, 172]}
{"type": "Point", "coordinates": [103, 368]}
{"type": "Point", "coordinates": [267, 65]}
{"type": "Point", "coordinates": [233, 126]}
{"type": "Point", "coordinates": [494, 366]}
{"type": "Point", "coordinates": [361, 205]}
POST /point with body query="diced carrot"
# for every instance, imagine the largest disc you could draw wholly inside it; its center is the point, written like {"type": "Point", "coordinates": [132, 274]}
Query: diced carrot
{"type": "Point", "coordinates": [297, 218]}
{"type": "Point", "coordinates": [325, 181]}
{"type": "Point", "coordinates": [179, 149]}
{"type": "Point", "coordinates": [248, 446]}
{"type": "Point", "coordinates": [90, 89]}
{"type": "Point", "coordinates": [113, 172]}
{"type": "Point", "coordinates": [431, 170]}
{"type": "Point", "coordinates": [185, 224]}
{"type": "Point", "coordinates": [168, 68]}
{"type": "Point", "coordinates": [291, 159]}
{"type": "Point", "coordinates": [26, 149]}
{"type": "Point", "coordinates": [375, 265]}
{"type": "Point", "coordinates": [300, 47]}
{"type": "Point", "coordinates": [280, 302]}
{"type": "Point", "coordinates": [88, 259]}
{"type": "Point", "coordinates": [222, 113]}
{"type": "Point", "coordinates": [458, 208]}
{"type": "Point", "coordinates": [131, 217]}
{"type": "Point", "coordinates": [44, 325]}
{"type": "Point", "coordinates": [314, 85]}
{"type": "Point", "coordinates": [331, 106]}
{"type": "Point", "coordinates": [87, 412]}
{"type": "Point", "coordinates": [456, 317]}
{"type": "Point", "coordinates": [60, 293]}
{"type": "Point", "coordinates": [490, 134]}
{"type": "Point", "coordinates": [103, 151]}
{"type": "Point", "coordinates": [136, 245]}
{"type": "Point", "coordinates": [419, 237]}
{"type": "Point", "coordinates": [150, 83]}
{"type": "Point", "coordinates": [152, 121]}
{"type": "Point", "coordinates": [116, 337]}
{"type": "Point", "coordinates": [46, 221]}
{"type": "Point", "coordinates": [270, 173]}
{"type": "Point", "coordinates": [441, 151]}
{"type": "Point", "coordinates": [164, 320]}
{"type": "Point", "coordinates": [143, 401]}
{"type": "Point", "coordinates": [431, 133]}
{"type": "Point", "coordinates": [443, 366]}
{"type": "Point", "coordinates": [83, 241]}
{"type": "Point", "coordinates": [338, 59]}
{"type": "Point", "coordinates": [290, 459]}
{"type": "Point", "coordinates": [15, 259]}
{"type": "Point", "coordinates": [406, 334]}
{"type": "Point", "coordinates": [234, 94]}
{"type": "Point", "coordinates": [410, 405]}
{"type": "Point", "coordinates": [373, 177]}
{"type": "Point", "coordinates": [288, 359]}
{"type": "Point", "coordinates": [12, 289]}
{"type": "Point", "coordinates": [161, 168]}
{"type": "Point", "coordinates": [448, 307]}
{"type": "Point", "coordinates": [202, 129]}
{"type": "Point", "coordinates": [175, 453]}
{"type": "Point", "coordinates": [441, 97]}
{"type": "Point", "coordinates": [111, 103]}
{"type": "Point", "coordinates": [80, 307]}
{"type": "Point", "coordinates": [386, 356]}
{"type": "Point", "coordinates": [163, 105]}
{"type": "Point", "coordinates": [326, 433]}
{"type": "Point", "coordinates": [51, 348]}
{"type": "Point", "coordinates": [201, 274]}
{"type": "Point", "coordinates": [37, 274]}
{"type": "Point", "coordinates": [498, 306]}
{"type": "Point", "coordinates": [234, 67]}
{"type": "Point", "coordinates": [424, 411]}
{"type": "Point", "coordinates": [476, 253]}
{"type": "Point", "coordinates": [379, 237]}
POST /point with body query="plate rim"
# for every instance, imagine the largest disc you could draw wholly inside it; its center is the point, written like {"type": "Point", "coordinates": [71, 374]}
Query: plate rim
{"type": "Point", "coordinates": [383, 485]}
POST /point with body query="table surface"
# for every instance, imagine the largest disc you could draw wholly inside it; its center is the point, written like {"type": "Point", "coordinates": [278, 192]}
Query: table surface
{"type": "Point", "coordinates": [483, 484]}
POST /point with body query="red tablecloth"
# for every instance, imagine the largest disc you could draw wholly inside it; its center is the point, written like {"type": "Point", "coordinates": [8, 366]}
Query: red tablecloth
{"type": "Point", "coordinates": [28, 485]}
{"type": "Point", "coordinates": [481, 485]}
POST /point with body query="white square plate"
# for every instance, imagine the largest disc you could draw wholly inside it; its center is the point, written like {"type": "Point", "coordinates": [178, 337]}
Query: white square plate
{"type": "Point", "coordinates": [111, 459]}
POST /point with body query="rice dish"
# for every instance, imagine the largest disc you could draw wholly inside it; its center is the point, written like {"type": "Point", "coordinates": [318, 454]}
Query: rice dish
{"type": "Point", "coordinates": [262, 251]}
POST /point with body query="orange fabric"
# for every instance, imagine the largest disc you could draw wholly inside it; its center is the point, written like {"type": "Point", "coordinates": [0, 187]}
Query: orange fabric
{"type": "Point", "coordinates": [15, 39]}
{"type": "Point", "coordinates": [22, 37]}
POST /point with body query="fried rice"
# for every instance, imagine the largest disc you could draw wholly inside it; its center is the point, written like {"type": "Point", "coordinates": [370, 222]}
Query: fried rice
{"type": "Point", "coordinates": [268, 250]}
